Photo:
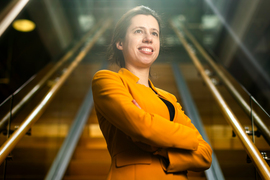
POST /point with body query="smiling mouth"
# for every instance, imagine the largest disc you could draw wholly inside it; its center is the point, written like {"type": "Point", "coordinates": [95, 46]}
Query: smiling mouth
{"type": "Point", "coordinates": [146, 49]}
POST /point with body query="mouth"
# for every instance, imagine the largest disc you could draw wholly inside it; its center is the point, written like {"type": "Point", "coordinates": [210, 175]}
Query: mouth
{"type": "Point", "coordinates": [146, 50]}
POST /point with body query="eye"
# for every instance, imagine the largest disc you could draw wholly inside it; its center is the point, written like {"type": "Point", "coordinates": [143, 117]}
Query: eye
{"type": "Point", "coordinates": [155, 34]}
{"type": "Point", "coordinates": [138, 31]}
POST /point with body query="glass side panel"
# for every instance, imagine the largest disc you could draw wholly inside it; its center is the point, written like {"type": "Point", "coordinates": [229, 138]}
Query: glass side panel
{"type": "Point", "coordinates": [229, 151]}
{"type": "Point", "coordinates": [235, 34]}
{"type": "Point", "coordinates": [33, 155]}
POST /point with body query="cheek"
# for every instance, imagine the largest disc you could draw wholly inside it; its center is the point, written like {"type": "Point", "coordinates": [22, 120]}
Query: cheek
{"type": "Point", "coordinates": [158, 46]}
{"type": "Point", "coordinates": [134, 42]}
{"type": "Point", "coordinates": [133, 45]}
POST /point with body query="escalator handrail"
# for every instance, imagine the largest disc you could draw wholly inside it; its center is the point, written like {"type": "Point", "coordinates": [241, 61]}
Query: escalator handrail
{"type": "Point", "coordinates": [42, 82]}
{"type": "Point", "coordinates": [260, 163]}
{"type": "Point", "coordinates": [257, 120]}
{"type": "Point", "coordinates": [214, 172]}
{"type": "Point", "coordinates": [64, 155]}
{"type": "Point", "coordinates": [10, 13]}
{"type": "Point", "coordinates": [8, 146]}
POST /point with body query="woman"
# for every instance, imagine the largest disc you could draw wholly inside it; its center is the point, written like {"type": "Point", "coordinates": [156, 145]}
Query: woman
{"type": "Point", "coordinates": [148, 135]}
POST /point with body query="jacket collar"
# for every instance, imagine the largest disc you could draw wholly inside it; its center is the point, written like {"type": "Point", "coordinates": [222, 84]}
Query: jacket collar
{"type": "Point", "coordinates": [129, 75]}
{"type": "Point", "coordinates": [152, 86]}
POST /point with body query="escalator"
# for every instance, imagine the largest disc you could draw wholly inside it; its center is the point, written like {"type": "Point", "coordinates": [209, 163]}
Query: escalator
{"type": "Point", "coordinates": [34, 155]}
{"type": "Point", "coordinates": [44, 152]}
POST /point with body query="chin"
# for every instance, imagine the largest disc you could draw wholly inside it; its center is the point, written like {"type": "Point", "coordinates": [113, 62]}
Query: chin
{"type": "Point", "coordinates": [146, 64]}
{"type": "Point", "coordinates": [147, 61]}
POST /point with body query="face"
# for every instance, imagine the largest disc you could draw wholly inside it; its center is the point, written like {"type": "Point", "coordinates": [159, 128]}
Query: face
{"type": "Point", "coordinates": [141, 44]}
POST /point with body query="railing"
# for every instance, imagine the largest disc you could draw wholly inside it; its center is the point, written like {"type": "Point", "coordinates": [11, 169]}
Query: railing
{"type": "Point", "coordinates": [260, 164]}
{"type": "Point", "coordinates": [7, 147]}
{"type": "Point", "coordinates": [42, 82]}
{"type": "Point", "coordinates": [64, 155]}
{"type": "Point", "coordinates": [214, 172]}
{"type": "Point", "coordinates": [10, 13]}
{"type": "Point", "coordinates": [257, 120]}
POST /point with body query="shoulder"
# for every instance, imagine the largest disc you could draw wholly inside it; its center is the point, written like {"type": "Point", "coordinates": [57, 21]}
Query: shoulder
{"type": "Point", "coordinates": [104, 74]}
{"type": "Point", "coordinates": [167, 95]}
{"type": "Point", "coordinates": [106, 78]}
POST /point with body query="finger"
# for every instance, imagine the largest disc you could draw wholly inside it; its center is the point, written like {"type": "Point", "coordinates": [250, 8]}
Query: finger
{"type": "Point", "coordinates": [135, 102]}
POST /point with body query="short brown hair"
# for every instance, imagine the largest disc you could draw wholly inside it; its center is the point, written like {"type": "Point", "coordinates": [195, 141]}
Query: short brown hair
{"type": "Point", "coordinates": [115, 55]}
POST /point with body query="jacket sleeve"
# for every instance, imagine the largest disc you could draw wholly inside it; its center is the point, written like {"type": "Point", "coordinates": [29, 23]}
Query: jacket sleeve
{"type": "Point", "coordinates": [114, 102]}
{"type": "Point", "coordinates": [192, 160]}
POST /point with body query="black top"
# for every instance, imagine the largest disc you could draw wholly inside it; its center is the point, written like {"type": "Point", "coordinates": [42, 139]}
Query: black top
{"type": "Point", "coordinates": [168, 104]}
{"type": "Point", "coordinates": [170, 108]}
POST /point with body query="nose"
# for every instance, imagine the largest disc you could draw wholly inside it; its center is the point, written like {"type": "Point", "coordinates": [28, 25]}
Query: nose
{"type": "Point", "coordinates": [147, 38]}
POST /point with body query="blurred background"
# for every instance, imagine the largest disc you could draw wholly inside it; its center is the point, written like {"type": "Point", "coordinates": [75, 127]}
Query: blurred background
{"type": "Point", "coordinates": [50, 50]}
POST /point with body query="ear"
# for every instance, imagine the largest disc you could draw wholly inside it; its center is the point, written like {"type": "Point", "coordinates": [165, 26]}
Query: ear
{"type": "Point", "coordinates": [119, 45]}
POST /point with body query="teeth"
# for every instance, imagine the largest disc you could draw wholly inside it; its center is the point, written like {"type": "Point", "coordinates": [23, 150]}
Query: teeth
{"type": "Point", "coordinates": [146, 49]}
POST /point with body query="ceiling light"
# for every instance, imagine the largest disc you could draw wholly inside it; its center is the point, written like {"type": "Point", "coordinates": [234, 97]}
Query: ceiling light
{"type": "Point", "coordinates": [23, 25]}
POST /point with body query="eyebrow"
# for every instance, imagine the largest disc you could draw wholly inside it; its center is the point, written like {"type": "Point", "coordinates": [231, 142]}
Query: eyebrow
{"type": "Point", "coordinates": [145, 28]}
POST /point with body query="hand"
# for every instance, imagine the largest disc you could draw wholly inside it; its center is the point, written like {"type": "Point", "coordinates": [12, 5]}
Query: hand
{"type": "Point", "coordinates": [162, 152]}
{"type": "Point", "coordinates": [135, 102]}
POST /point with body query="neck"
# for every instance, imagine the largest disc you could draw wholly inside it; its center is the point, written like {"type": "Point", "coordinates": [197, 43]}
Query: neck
{"type": "Point", "coordinates": [142, 74]}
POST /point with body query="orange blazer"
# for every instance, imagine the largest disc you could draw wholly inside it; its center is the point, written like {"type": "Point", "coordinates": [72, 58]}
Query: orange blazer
{"type": "Point", "coordinates": [136, 137]}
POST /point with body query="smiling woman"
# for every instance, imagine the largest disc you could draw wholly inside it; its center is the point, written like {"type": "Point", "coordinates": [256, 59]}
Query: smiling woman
{"type": "Point", "coordinates": [116, 55]}
{"type": "Point", "coordinates": [147, 133]}
{"type": "Point", "coordinates": [141, 44]}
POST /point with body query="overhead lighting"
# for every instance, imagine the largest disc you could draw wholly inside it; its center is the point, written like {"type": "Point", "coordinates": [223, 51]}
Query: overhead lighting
{"type": "Point", "coordinates": [210, 22]}
{"type": "Point", "coordinates": [24, 25]}
{"type": "Point", "coordinates": [86, 22]}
